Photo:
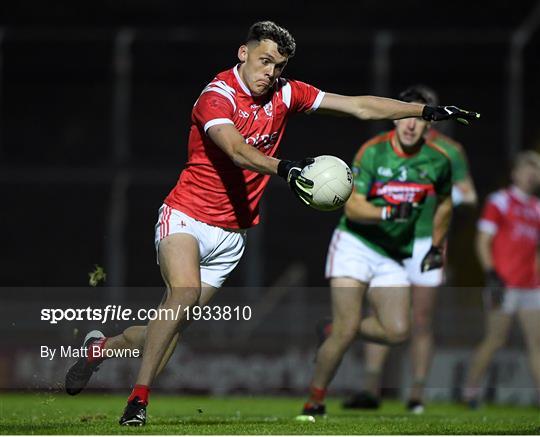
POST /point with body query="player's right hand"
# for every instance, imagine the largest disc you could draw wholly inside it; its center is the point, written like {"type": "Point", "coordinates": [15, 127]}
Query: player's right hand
{"type": "Point", "coordinates": [397, 213]}
{"type": "Point", "coordinates": [291, 172]}
{"type": "Point", "coordinates": [438, 113]}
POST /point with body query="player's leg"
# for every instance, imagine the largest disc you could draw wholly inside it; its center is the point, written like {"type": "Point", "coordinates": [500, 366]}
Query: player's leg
{"type": "Point", "coordinates": [368, 398]}
{"type": "Point", "coordinates": [179, 260]}
{"type": "Point", "coordinates": [497, 328]}
{"type": "Point", "coordinates": [347, 295]}
{"type": "Point", "coordinates": [132, 338]}
{"type": "Point", "coordinates": [529, 319]}
{"type": "Point", "coordinates": [390, 323]}
{"type": "Point", "coordinates": [424, 294]}
{"type": "Point", "coordinates": [423, 305]}
{"type": "Point", "coordinates": [376, 355]}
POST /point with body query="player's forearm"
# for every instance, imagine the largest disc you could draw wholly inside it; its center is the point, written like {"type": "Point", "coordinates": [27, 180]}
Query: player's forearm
{"type": "Point", "coordinates": [483, 250]}
{"type": "Point", "coordinates": [248, 157]}
{"type": "Point", "coordinates": [362, 211]}
{"type": "Point", "coordinates": [441, 221]}
{"type": "Point", "coordinates": [381, 108]}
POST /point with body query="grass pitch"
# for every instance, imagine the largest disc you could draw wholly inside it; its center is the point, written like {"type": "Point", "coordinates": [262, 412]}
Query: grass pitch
{"type": "Point", "coordinates": [44, 413]}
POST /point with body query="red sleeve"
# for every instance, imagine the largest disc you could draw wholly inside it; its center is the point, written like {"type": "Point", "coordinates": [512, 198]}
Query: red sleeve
{"type": "Point", "coordinates": [491, 218]}
{"type": "Point", "coordinates": [213, 108]}
{"type": "Point", "coordinates": [304, 97]}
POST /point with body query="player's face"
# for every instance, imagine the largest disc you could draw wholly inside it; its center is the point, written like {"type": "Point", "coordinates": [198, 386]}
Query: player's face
{"type": "Point", "coordinates": [410, 131]}
{"type": "Point", "coordinates": [527, 177]}
{"type": "Point", "coordinates": [261, 65]}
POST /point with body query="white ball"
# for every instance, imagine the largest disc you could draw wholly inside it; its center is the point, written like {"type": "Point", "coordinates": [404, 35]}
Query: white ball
{"type": "Point", "coordinates": [332, 182]}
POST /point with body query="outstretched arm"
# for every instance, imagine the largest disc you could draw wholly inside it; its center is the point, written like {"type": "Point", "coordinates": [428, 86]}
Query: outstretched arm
{"type": "Point", "coordinates": [381, 108]}
{"type": "Point", "coordinates": [369, 107]}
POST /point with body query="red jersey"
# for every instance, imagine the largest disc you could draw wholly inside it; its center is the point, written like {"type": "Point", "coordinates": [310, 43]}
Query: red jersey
{"type": "Point", "coordinates": [513, 218]}
{"type": "Point", "coordinates": [211, 188]}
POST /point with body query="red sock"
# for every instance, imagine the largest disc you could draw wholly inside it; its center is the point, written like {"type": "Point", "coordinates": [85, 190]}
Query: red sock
{"type": "Point", "coordinates": [141, 392]}
{"type": "Point", "coordinates": [316, 395]}
{"type": "Point", "coordinates": [95, 350]}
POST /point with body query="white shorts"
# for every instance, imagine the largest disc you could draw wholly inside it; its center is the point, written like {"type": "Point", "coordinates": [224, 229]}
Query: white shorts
{"type": "Point", "coordinates": [432, 278]}
{"type": "Point", "coordinates": [349, 257]}
{"type": "Point", "coordinates": [518, 299]}
{"type": "Point", "coordinates": [220, 249]}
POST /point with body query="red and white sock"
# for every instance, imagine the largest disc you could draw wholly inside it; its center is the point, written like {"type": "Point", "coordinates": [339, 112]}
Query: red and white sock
{"type": "Point", "coordinates": [316, 395]}
{"type": "Point", "coordinates": [141, 392]}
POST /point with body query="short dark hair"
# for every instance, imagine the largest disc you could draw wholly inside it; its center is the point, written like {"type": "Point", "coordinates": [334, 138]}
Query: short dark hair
{"type": "Point", "coordinates": [420, 94]}
{"type": "Point", "coordinates": [270, 30]}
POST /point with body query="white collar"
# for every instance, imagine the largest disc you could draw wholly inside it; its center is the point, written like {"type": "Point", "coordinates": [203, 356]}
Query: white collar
{"type": "Point", "coordinates": [519, 193]}
{"type": "Point", "coordinates": [240, 81]}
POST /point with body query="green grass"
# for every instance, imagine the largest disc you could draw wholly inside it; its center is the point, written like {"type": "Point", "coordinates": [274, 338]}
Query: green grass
{"type": "Point", "coordinates": [43, 413]}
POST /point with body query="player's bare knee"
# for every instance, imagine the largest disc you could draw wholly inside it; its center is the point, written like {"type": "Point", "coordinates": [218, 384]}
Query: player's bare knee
{"type": "Point", "coordinates": [397, 333]}
{"type": "Point", "coordinates": [184, 295]}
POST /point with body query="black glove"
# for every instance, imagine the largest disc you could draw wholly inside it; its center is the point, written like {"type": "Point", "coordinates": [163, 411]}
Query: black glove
{"type": "Point", "coordinates": [291, 172]}
{"type": "Point", "coordinates": [495, 287]}
{"type": "Point", "coordinates": [397, 213]}
{"type": "Point", "coordinates": [434, 259]}
{"type": "Point", "coordinates": [438, 113]}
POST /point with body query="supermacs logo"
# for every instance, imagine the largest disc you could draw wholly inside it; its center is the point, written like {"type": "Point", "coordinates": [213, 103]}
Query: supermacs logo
{"type": "Point", "coordinates": [263, 141]}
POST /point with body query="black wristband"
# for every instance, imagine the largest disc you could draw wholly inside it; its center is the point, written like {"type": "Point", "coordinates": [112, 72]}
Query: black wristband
{"type": "Point", "coordinates": [427, 113]}
{"type": "Point", "coordinates": [283, 168]}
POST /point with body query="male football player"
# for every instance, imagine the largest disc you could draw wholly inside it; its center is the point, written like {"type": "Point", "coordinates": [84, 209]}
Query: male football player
{"type": "Point", "coordinates": [507, 245]}
{"type": "Point", "coordinates": [236, 127]}
{"type": "Point", "coordinates": [423, 284]}
{"type": "Point", "coordinates": [398, 176]}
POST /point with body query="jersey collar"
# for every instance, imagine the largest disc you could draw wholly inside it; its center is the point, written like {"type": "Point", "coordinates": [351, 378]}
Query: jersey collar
{"type": "Point", "coordinates": [519, 194]}
{"type": "Point", "coordinates": [240, 81]}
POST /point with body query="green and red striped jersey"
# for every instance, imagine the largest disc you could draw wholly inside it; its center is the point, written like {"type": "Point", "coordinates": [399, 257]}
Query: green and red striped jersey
{"type": "Point", "coordinates": [386, 176]}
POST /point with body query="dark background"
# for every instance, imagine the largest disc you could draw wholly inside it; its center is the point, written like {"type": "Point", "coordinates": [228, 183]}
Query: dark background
{"type": "Point", "coordinates": [93, 133]}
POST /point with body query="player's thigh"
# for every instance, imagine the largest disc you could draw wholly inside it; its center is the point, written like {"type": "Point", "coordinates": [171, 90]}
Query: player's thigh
{"type": "Point", "coordinates": [392, 307]}
{"type": "Point", "coordinates": [498, 325]}
{"type": "Point", "coordinates": [423, 303]}
{"type": "Point", "coordinates": [179, 261]}
{"type": "Point", "coordinates": [529, 320]}
{"type": "Point", "coordinates": [347, 295]}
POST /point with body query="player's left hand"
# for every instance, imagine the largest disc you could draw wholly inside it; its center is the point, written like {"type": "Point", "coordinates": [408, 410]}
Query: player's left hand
{"type": "Point", "coordinates": [438, 113]}
{"type": "Point", "coordinates": [434, 259]}
{"type": "Point", "coordinates": [291, 171]}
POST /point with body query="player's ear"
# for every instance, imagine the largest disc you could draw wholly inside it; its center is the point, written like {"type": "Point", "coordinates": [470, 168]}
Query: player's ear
{"type": "Point", "coordinates": [242, 53]}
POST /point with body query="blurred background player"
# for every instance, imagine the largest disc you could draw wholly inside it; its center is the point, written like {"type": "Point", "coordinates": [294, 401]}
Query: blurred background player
{"type": "Point", "coordinates": [397, 175]}
{"type": "Point", "coordinates": [423, 284]}
{"type": "Point", "coordinates": [237, 124]}
{"type": "Point", "coordinates": [507, 245]}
